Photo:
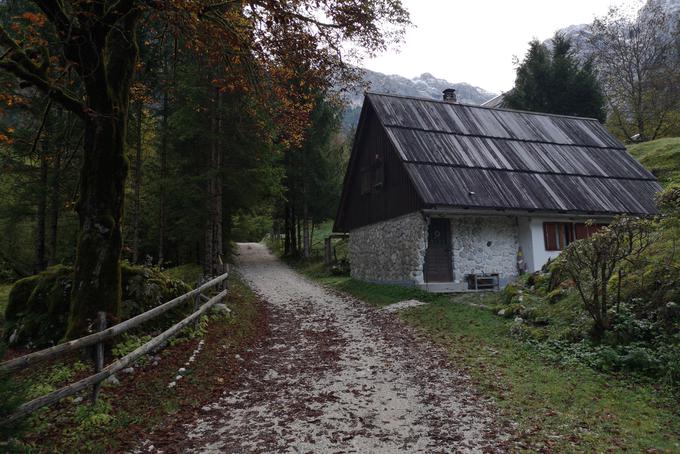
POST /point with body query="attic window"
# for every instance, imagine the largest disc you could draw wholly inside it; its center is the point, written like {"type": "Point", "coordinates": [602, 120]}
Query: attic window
{"type": "Point", "coordinates": [372, 178]}
{"type": "Point", "coordinates": [365, 179]}
{"type": "Point", "coordinates": [378, 174]}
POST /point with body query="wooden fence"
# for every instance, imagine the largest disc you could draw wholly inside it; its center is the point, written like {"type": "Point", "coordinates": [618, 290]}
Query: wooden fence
{"type": "Point", "coordinates": [97, 339]}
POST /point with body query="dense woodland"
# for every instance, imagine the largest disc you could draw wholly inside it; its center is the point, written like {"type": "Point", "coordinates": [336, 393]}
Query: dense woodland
{"type": "Point", "coordinates": [158, 132]}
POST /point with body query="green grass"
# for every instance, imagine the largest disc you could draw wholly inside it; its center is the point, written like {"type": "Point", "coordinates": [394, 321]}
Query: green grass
{"type": "Point", "coordinates": [661, 157]}
{"type": "Point", "coordinates": [571, 407]}
{"type": "Point", "coordinates": [557, 408]}
{"type": "Point", "coordinates": [189, 273]}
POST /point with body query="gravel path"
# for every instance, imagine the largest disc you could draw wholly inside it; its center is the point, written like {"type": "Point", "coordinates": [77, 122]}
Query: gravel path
{"type": "Point", "coordinates": [339, 376]}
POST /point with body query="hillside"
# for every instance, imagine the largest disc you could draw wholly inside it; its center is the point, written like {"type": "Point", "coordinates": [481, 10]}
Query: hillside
{"type": "Point", "coordinates": [661, 157]}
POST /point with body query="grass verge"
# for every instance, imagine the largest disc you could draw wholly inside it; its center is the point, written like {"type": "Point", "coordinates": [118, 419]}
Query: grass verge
{"type": "Point", "coordinates": [142, 406]}
{"type": "Point", "coordinates": [557, 407]}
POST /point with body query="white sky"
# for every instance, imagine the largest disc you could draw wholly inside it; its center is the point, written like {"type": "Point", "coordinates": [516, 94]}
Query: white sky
{"type": "Point", "coordinates": [474, 41]}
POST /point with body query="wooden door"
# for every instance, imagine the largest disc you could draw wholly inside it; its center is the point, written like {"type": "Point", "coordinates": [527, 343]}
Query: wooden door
{"type": "Point", "coordinates": [438, 263]}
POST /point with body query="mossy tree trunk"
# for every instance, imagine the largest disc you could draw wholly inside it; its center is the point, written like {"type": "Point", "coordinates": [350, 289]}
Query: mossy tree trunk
{"type": "Point", "coordinates": [162, 176]}
{"type": "Point", "coordinates": [107, 77]}
{"type": "Point", "coordinates": [137, 187]}
{"type": "Point", "coordinates": [99, 41]}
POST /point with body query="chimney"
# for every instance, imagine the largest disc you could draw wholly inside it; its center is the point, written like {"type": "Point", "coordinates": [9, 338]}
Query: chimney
{"type": "Point", "coordinates": [450, 95]}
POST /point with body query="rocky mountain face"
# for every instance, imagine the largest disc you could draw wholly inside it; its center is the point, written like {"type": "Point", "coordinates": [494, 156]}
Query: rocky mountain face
{"type": "Point", "coordinates": [424, 86]}
{"type": "Point", "coordinates": [580, 34]}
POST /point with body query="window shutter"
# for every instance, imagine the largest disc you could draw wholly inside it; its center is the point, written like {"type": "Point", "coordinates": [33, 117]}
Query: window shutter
{"type": "Point", "coordinates": [582, 231]}
{"type": "Point", "coordinates": [550, 236]}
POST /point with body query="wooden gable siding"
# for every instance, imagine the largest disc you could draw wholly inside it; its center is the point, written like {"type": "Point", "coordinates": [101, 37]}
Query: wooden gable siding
{"type": "Point", "coordinates": [395, 197]}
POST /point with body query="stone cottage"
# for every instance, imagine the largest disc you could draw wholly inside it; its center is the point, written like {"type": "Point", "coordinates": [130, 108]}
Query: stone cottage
{"type": "Point", "coordinates": [454, 197]}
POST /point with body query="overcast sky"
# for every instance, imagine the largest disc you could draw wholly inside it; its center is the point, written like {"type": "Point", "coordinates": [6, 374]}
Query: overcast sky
{"type": "Point", "coordinates": [474, 41]}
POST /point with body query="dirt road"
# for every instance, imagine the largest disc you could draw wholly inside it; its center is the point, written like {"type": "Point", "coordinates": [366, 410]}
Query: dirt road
{"type": "Point", "coordinates": [340, 376]}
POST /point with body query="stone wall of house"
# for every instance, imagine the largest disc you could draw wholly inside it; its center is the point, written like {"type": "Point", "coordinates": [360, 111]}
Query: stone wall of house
{"type": "Point", "coordinates": [391, 251]}
{"type": "Point", "coordinates": [485, 244]}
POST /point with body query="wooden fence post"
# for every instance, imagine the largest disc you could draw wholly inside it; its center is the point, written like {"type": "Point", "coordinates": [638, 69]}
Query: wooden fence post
{"type": "Point", "coordinates": [328, 259]}
{"type": "Point", "coordinates": [197, 302]}
{"type": "Point", "coordinates": [98, 355]}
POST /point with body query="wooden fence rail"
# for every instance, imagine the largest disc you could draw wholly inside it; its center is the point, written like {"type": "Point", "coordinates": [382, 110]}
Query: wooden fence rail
{"type": "Point", "coordinates": [97, 338]}
{"type": "Point", "coordinates": [67, 347]}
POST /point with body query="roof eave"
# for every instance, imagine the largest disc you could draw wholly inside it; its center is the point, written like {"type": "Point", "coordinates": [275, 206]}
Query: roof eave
{"type": "Point", "coordinates": [497, 211]}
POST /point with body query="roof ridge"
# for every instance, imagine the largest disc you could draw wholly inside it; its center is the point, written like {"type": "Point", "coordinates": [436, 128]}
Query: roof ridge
{"type": "Point", "coordinates": [439, 101]}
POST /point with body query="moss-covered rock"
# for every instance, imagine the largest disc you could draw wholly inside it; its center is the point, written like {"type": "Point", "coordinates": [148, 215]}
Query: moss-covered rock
{"type": "Point", "coordinates": [38, 307]}
{"type": "Point", "coordinates": [18, 295]}
{"type": "Point", "coordinates": [145, 288]}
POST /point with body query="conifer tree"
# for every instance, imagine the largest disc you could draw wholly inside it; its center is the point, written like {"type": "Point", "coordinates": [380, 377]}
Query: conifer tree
{"type": "Point", "coordinates": [552, 80]}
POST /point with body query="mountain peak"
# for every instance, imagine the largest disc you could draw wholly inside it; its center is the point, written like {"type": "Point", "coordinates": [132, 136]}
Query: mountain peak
{"type": "Point", "coordinates": [424, 86]}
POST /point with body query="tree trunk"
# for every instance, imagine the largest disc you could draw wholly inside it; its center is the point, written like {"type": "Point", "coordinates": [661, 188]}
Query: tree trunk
{"type": "Point", "coordinates": [286, 230]}
{"type": "Point", "coordinates": [40, 261]}
{"type": "Point", "coordinates": [97, 285]}
{"type": "Point", "coordinates": [299, 234]}
{"type": "Point", "coordinates": [55, 203]}
{"type": "Point", "coordinates": [213, 232]}
{"type": "Point", "coordinates": [163, 171]}
{"type": "Point", "coordinates": [137, 184]}
{"type": "Point", "coordinates": [293, 231]}
{"type": "Point", "coordinates": [306, 240]}
{"type": "Point", "coordinates": [43, 138]}
{"type": "Point", "coordinates": [107, 77]}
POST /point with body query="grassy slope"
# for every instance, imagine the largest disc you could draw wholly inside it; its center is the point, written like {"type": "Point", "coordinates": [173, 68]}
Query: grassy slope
{"type": "Point", "coordinates": [557, 408]}
{"type": "Point", "coordinates": [661, 157]}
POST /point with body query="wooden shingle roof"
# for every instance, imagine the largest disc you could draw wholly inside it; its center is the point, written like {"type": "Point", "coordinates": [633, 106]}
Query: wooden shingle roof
{"type": "Point", "coordinates": [477, 157]}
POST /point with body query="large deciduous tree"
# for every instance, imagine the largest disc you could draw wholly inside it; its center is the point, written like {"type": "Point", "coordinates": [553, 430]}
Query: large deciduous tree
{"type": "Point", "coordinates": [92, 70]}
{"type": "Point", "coordinates": [638, 60]}
{"type": "Point", "coordinates": [552, 80]}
